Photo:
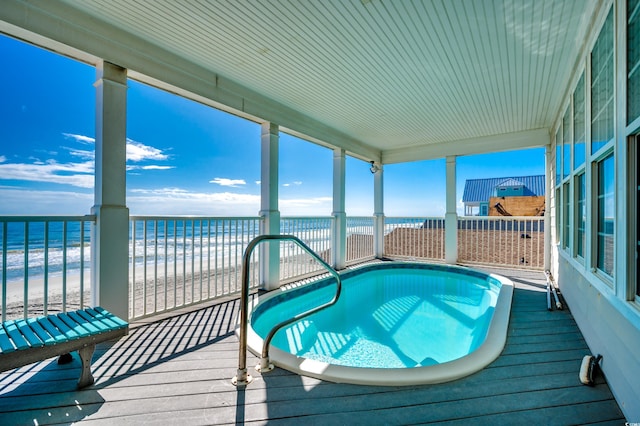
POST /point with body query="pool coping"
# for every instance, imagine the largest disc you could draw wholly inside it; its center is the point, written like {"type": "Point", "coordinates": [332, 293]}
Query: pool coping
{"type": "Point", "coordinates": [486, 353]}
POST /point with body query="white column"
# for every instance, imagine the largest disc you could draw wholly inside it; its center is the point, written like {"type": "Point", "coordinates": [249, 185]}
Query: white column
{"type": "Point", "coordinates": [549, 170]}
{"type": "Point", "coordinates": [451, 217]}
{"type": "Point", "coordinates": [269, 213]}
{"type": "Point", "coordinates": [110, 235]}
{"type": "Point", "coordinates": [378, 212]}
{"type": "Point", "coordinates": [339, 231]}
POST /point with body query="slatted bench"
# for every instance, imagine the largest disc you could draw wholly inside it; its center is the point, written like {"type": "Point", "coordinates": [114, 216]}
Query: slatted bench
{"type": "Point", "coordinates": [26, 341]}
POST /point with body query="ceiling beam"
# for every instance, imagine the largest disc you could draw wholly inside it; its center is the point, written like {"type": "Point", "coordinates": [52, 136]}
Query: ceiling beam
{"type": "Point", "coordinates": [494, 143]}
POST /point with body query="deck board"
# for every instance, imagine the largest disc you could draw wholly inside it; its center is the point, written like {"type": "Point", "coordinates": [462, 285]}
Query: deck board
{"type": "Point", "coordinates": [178, 369]}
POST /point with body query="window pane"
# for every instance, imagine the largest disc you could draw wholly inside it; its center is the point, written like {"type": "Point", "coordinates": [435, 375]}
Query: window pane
{"type": "Point", "coordinates": [578, 125]}
{"type": "Point", "coordinates": [605, 215]}
{"type": "Point", "coordinates": [566, 146]}
{"type": "Point", "coordinates": [558, 157]}
{"type": "Point", "coordinates": [557, 211]}
{"type": "Point", "coordinates": [581, 214]}
{"type": "Point", "coordinates": [565, 215]}
{"type": "Point", "coordinates": [602, 86]}
{"type": "Point", "coordinates": [633, 60]}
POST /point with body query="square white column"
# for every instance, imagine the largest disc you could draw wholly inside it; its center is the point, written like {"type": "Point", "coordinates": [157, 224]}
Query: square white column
{"type": "Point", "coordinates": [339, 229]}
{"type": "Point", "coordinates": [269, 213]}
{"type": "Point", "coordinates": [110, 234]}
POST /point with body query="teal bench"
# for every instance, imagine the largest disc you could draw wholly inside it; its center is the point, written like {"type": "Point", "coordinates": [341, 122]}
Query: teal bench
{"type": "Point", "coordinates": [26, 341]}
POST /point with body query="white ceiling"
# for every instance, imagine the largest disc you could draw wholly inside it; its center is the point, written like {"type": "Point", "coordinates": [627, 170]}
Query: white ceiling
{"type": "Point", "coordinates": [377, 77]}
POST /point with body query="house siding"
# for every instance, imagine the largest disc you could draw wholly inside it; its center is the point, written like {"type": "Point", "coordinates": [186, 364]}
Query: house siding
{"type": "Point", "coordinates": [609, 326]}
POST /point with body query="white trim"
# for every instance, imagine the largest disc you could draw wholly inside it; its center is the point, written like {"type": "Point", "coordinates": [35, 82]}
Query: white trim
{"type": "Point", "coordinates": [494, 143]}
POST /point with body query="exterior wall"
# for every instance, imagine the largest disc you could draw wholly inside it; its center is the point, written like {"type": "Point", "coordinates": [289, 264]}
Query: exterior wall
{"type": "Point", "coordinates": [603, 304]}
{"type": "Point", "coordinates": [610, 327]}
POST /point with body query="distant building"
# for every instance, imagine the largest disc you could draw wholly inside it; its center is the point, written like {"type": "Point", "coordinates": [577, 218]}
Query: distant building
{"type": "Point", "coordinates": [507, 196]}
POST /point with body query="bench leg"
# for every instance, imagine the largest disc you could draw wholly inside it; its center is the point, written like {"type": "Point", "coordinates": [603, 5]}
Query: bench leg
{"type": "Point", "coordinates": [86, 354]}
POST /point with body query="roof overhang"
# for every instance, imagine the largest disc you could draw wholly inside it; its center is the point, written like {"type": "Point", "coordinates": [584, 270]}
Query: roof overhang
{"type": "Point", "coordinates": [385, 81]}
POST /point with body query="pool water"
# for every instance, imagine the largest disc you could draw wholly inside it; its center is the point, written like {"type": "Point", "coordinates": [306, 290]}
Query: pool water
{"type": "Point", "coordinates": [386, 318]}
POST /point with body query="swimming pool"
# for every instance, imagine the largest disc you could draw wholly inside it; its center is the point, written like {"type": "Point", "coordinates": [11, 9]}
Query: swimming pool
{"type": "Point", "coordinates": [394, 324]}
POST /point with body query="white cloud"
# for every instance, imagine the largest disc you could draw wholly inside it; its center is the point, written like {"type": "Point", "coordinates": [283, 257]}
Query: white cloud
{"type": "Point", "coordinates": [76, 174]}
{"type": "Point", "coordinates": [81, 153]}
{"type": "Point", "coordinates": [137, 151]}
{"type": "Point", "coordinates": [295, 183]}
{"type": "Point", "coordinates": [79, 174]}
{"type": "Point", "coordinates": [151, 167]}
{"type": "Point", "coordinates": [177, 201]}
{"type": "Point", "coordinates": [80, 138]}
{"type": "Point", "coordinates": [234, 183]}
{"type": "Point", "coordinates": [315, 206]}
{"type": "Point", "coordinates": [20, 201]}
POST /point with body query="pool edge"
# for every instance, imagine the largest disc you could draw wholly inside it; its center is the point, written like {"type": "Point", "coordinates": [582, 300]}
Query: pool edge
{"type": "Point", "coordinates": [484, 355]}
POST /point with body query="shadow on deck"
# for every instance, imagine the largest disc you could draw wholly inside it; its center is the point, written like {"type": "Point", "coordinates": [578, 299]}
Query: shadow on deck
{"type": "Point", "coordinates": [178, 370]}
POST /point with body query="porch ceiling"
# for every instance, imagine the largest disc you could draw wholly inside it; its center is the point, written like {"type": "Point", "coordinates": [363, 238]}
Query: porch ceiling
{"type": "Point", "coordinates": [390, 80]}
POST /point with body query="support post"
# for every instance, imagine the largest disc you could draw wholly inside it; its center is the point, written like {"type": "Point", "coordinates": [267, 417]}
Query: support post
{"type": "Point", "coordinates": [269, 213]}
{"type": "Point", "coordinates": [378, 212]}
{"type": "Point", "coordinates": [451, 216]}
{"type": "Point", "coordinates": [110, 234]}
{"type": "Point", "coordinates": [549, 170]}
{"type": "Point", "coordinates": [339, 228]}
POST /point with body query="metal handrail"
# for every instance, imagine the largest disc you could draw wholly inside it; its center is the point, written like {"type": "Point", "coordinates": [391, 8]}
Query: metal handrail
{"type": "Point", "coordinates": [242, 378]}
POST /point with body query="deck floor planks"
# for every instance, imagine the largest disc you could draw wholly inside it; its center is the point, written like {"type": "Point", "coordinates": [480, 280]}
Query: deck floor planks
{"type": "Point", "coordinates": [178, 370]}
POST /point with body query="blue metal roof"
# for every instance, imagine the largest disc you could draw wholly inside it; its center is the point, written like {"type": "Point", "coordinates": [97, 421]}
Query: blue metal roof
{"type": "Point", "coordinates": [479, 190]}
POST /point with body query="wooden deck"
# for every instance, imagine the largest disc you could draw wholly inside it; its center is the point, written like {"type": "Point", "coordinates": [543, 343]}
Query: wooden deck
{"type": "Point", "coordinates": [177, 371]}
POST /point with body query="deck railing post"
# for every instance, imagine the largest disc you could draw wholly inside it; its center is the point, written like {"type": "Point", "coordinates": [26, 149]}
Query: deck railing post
{"type": "Point", "coordinates": [451, 217]}
{"type": "Point", "coordinates": [110, 234]}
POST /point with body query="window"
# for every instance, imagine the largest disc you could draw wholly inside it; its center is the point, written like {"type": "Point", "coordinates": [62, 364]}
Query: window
{"type": "Point", "coordinates": [633, 255]}
{"type": "Point", "coordinates": [636, 206]}
{"type": "Point", "coordinates": [578, 125]}
{"type": "Point", "coordinates": [605, 215]}
{"type": "Point", "coordinates": [602, 85]}
{"type": "Point", "coordinates": [633, 60]}
{"type": "Point", "coordinates": [566, 145]}
{"type": "Point", "coordinates": [557, 210]}
{"type": "Point", "coordinates": [581, 213]}
{"type": "Point", "coordinates": [565, 215]}
{"type": "Point", "coordinates": [558, 157]}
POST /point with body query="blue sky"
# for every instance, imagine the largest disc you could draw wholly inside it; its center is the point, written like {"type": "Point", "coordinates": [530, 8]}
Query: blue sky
{"type": "Point", "coordinates": [186, 158]}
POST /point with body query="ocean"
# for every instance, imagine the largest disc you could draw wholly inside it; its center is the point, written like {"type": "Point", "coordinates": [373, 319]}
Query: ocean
{"type": "Point", "coordinates": [52, 247]}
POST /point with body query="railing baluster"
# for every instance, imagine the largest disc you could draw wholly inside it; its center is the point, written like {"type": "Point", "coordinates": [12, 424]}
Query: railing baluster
{"type": "Point", "coordinates": [4, 271]}
{"type": "Point", "coordinates": [45, 283]}
{"type": "Point", "coordinates": [144, 266]}
{"type": "Point", "coordinates": [155, 266]}
{"type": "Point", "coordinates": [26, 269]}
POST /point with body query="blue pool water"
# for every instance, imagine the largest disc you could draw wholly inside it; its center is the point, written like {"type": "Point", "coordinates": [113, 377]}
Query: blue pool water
{"type": "Point", "coordinates": [388, 316]}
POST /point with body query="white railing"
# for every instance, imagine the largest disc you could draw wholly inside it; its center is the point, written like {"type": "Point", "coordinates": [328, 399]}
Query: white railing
{"type": "Point", "coordinates": [502, 241]}
{"type": "Point", "coordinates": [414, 237]}
{"type": "Point", "coordinates": [315, 232]}
{"type": "Point", "coordinates": [359, 239]}
{"type": "Point", "coordinates": [179, 261]}
{"type": "Point", "coordinates": [45, 264]}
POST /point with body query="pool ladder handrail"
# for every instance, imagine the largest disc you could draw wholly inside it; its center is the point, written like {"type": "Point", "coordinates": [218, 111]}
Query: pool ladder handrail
{"type": "Point", "coordinates": [242, 378]}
